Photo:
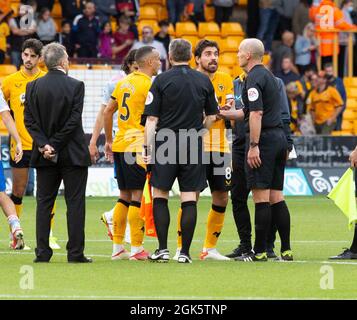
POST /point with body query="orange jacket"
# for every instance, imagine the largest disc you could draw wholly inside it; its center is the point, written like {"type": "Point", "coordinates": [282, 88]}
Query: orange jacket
{"type": "Point", "coordinates": [327, 16]}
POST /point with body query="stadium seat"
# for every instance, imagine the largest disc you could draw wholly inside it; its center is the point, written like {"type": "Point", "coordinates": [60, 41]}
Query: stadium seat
{"type": "Point", "coordinates": [101, 67]}
{"type": "Point", "coordinates": [6, 69]}
{"type": "Point", "coordinates": [230, 44]}
{"type": "Point", "coordinates": [351, 104]}
{"type": "Point", "coordinates": [193, 41]}
{"type": "Point", "coordinates": [163, 14]}
{"type": "Point", "coordinates": [149, 2]}
{"type": "Point", "coordinates": [243, 3]}
{"type": "Point", "coordinates": [148, 13]}
{"type": "Point", "coordinates": [228, 59]}
{"type": "Point", "coordinates": [209, 13]}
{"type": "Point", "coordinates": [351, 92]}
{"type": "Point", "coordinates": [266, 59]}
{"type": "Point", "coordinates": [350, 82]}
{"type": "Point", "coordinates": [232, 29]}
{"type": "Point", "coordinates": [185, 29]}
{"type": "Point", "coordinates": [347, 126]}
{"type": "Point", "coordinates": [208, 29]}
{"type": "Point", "coordinates": [213, 38]}
{"type": "Point", "coordinates": [226, 69]}
{"type": "Point", "coordinates": [237, 71]}
{"type": "Point", "coordinates": [78, 67]}
{"type": "Point", "coordinates": [349, 115]}
{"type": "Point", "coordinates": [143, 23]}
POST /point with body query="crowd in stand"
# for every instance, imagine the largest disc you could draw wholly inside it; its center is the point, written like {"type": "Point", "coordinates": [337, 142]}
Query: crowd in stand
{"type": "Point", "coordinates": [287, 28]}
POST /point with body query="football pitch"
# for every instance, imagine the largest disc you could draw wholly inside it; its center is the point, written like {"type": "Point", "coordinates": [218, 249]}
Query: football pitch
{"type": "Point", "coordinates": [319, 230]}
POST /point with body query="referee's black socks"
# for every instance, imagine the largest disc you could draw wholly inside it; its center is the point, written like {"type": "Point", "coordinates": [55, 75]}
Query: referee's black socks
{"type": "Point", "coordinates": [281, 218]}
{"type": "Point", "coordinates": [188, 224]}
{"type": "Point", "coordinates": [162, 221]}
{"type": "Point", "coordinates": [262, 224]}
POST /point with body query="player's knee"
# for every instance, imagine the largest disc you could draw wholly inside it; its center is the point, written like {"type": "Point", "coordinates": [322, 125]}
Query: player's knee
{"type": "Point", "coordinates": [125, 196]}
{"type": "Point", "coordinates": [276, 196]}
{"type": "Point", "coordinates": [220, 198]}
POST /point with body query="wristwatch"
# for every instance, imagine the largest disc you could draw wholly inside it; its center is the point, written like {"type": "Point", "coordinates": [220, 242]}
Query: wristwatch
{"type": "Point", "coordinates": [253, 144]}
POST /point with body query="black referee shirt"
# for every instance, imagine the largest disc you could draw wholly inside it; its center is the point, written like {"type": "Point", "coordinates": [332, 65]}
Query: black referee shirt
{"type": "Point", "coordinates": [261, 93]}
{"type": "Point", "coordinates": [179, 98]}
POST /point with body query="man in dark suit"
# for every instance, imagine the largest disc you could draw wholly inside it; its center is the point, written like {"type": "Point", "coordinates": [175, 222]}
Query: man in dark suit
{"type": "Point", "coordinates": [53, 117]}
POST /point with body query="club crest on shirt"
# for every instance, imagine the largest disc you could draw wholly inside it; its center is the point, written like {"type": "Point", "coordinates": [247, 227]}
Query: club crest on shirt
{"type": "Point", "coordinates": [22, 98]}
{"type": "Point", "coordinates": [18, 85]}
{"type": "Point", "coordinates": [221, 87]}
{"type": "Point", "coordinates": [253, 94]}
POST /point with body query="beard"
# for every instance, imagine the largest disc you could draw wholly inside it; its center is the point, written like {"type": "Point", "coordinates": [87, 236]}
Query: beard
{"type": "Point", "coordinates": [211, 67]}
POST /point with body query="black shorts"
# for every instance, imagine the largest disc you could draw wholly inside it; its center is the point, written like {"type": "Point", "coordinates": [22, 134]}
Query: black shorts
{"type": "Point", "coordinates": [219, 171]}
{"type": "Point", "coordinates": [191, 175]}
{"type": "Point", "coordinates": [273, 147]}
{"type": "Point", "coordinates": [129, 175]}
{"type": "Point", "coordinates": [239, 191]}
{"type": "Point", "coordinates": [24, 162]}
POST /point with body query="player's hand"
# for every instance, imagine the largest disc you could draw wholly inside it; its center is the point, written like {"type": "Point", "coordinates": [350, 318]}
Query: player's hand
{"type": "Point", "coordinates": [18, 153]}
{"type": "Point", "coordinates": [94, 153]}
{"type": "Point", "coordinates": [353, 158]}
{"type": "Point", "coordinates": [146, 155]}
{"type": "Point", "coordinates": [228, 106]}
{"type": "Point", "coordinates": [253, 158]}
{"type": "Point", "coordinates": [108, 152]}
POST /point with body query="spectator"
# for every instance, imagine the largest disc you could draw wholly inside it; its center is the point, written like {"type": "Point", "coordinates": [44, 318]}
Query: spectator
{"type": "Point", "coordinates": [71, 8]}
{"type": "Point", "coordinates": [326, 104]}
{"type": "Point", "coordinates": [223, 10]}
{"type": "Point", "coordinates": [196, 11]}
{"type": "Point", "coordinates": [46, 27]}
{"type": "Point", "coordinates": [336, 21]}
{"type": "Point", "coordinates": [86, 31]}
{"type": "Point", "coordinates": [301, 17]}
{"type": "Point", "coordinates": [282, 51]}
{"type": "Point", "coordinates": [269, 21]}
{"type": "Point", "coordinates": [163, 35]}
{"type": "Point", "coordinates": [287, 74]}
{"type": "Point", "coordinates": [45, 4]}
{"type": "Point", "coordinates": [347, 8]}
{"type": "Point", "coordinates": [4, 33]}
{"type": "Point", "coordinates": [337, 83]}
{"type": "Point", "coordinates": [105, 9]}
{"type": "Point", "coordinates": [18, 35]}
{"type": "Point", "coordinates": [253, 18]}
{"type": "Point", "coordinates": [128, 8]}
{"type": "Point", "coordinates": [175, 9]}
{"type": "Point", "coordinates": [306, 48]}
{"type": "Point", "coordinates": [296, 105]}
{"type": "Point", "coordinates": [286, 10]}
{"type": "Point", "coordinates": [148, 40]}
{"type": "Point", "coordinates": [106, 41]}
{"type": "Point", "coordinates": [123, 39]}
{"type": "Point", "coordinates": [305, 82]}
{"type": "Point", "coordinates": [33, 4]}
{"type": "Point", "coordinates": [65, 37]}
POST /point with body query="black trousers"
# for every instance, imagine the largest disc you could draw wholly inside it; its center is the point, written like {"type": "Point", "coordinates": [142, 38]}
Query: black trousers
{"type": "Point", "coordinates": [48, 183]}
{"type": "Point", "coordinates": [239, 195]}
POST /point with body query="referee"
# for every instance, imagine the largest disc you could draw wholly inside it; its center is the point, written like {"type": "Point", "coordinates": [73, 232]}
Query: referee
{"type": "Point", "coordinates": [266, 143]}
{"type": "Point", "coordinates": [175, 108]}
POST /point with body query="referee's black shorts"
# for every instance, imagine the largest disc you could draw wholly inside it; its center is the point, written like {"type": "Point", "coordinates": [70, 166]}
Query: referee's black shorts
{"type": "Point", "coordinates": [24, 162]}
{"type": "Point", "coordinates": [129, 174]}
{"type": "Point", "coordinates": [191, 174]}
{"type": "Point", "coordinates": [273, 147]}
{"type": "Point", "coordinates": [219, 170]}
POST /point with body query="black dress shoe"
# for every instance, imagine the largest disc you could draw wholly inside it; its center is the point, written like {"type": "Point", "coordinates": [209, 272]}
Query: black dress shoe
{"type": "Point", "coordinates": [81, 260]}
{"type": "Point", "coordinates": [345, 255]}
{"type": "Point", "coordinates": [38, 260]}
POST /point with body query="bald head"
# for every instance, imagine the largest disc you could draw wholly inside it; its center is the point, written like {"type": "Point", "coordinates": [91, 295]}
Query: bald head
{"type": "Point", "coordinates": [254, 47]}
{"type": "Point", "coordinates": [288, 38]}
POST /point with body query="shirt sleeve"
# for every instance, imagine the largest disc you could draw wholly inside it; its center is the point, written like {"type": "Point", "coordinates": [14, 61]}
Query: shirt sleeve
{"type": "Point", "coordinates": [336, 97]}
{"type": "Point", "coordinates": [254, 93]}
{"type": "Point", "coordinates": [114, 94]}
{"type": "Point", "coordinates": [153, 100]}
{"type": "Point", "coordinates": [230, 89]}
{"type": "Point", "coordinates": [211, 105]}
{"type": "Point", "coordinates": [3, 104]}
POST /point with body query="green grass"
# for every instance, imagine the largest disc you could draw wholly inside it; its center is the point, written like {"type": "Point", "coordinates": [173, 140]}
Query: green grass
{"type": "Point", "coordinates": [318, 231]}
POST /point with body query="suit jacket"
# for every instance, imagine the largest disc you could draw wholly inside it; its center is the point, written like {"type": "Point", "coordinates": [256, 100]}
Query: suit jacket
{"type": "Point", "coordinates": [53, 115]}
